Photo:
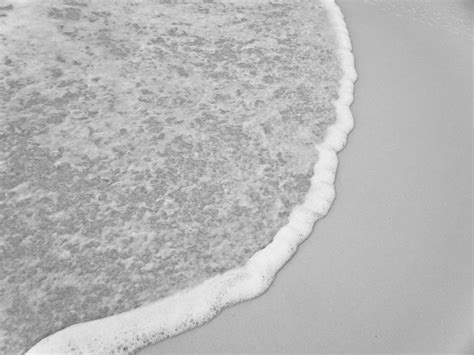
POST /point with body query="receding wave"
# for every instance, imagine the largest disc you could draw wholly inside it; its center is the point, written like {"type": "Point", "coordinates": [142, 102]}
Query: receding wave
{"type": "Point", "coordinates": [159, 160]}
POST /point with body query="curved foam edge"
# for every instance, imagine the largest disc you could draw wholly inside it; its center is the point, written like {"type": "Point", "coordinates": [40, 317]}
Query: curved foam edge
{"type": "Point", "coordinates": [129, 331]}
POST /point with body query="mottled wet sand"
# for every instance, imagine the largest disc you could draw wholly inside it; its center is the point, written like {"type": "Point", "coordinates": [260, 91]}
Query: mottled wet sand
{"type": "Point", "coordinates": [147, 146]}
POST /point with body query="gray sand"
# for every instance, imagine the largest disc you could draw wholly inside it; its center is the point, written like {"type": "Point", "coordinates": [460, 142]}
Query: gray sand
{"type": "Point", "coordinates": [389, 269]}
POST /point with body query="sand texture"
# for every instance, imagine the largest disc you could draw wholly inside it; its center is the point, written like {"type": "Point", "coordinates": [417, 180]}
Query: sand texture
{"type": "Point", "coordinates": [389, 269]}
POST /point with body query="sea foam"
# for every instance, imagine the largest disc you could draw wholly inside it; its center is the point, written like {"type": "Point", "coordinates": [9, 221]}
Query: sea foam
{"type": "Point", "coordinates": [129, 331]}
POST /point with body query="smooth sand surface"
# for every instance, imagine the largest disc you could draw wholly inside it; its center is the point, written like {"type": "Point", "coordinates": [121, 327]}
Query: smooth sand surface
{"type": "Point", "coordinates": [389, 269]}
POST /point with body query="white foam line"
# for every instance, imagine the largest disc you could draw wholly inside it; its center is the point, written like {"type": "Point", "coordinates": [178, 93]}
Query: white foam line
{"type": "Point", "coordinates": [129, 331]}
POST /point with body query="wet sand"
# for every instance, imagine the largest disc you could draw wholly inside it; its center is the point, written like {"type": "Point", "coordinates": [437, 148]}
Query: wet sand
{"type": "Point", "coordinates": [389, 269]}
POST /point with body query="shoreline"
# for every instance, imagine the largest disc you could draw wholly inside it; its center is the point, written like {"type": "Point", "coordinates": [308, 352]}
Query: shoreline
{"type": "Point", "coordinates": [132, 330]}
{"type": "Point", "coordinates": [389, 269]}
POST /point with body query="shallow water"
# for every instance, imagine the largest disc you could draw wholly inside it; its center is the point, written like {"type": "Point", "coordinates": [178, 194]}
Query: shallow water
{"type": "Point", "coordinates": [148, 146]}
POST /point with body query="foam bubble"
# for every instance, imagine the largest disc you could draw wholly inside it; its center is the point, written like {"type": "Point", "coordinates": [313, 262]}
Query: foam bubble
{"type": "Point", "coordinates": [132, 330]}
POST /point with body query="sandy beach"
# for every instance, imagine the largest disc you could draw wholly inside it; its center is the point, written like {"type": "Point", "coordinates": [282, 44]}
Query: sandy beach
{"type": "Point", "coordinates": [389, 269]}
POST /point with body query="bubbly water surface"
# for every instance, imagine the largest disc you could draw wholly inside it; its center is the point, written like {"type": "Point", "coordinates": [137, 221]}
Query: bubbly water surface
{"type": "Point", "coordinates": [146, 146]}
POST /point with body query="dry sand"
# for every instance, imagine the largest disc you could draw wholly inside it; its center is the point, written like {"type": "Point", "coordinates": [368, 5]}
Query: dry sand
{"type": "Point", "coordinates": [389, 269]}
